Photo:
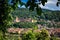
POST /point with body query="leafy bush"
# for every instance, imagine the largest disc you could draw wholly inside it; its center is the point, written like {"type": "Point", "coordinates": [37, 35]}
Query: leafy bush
{"type": "Point", "coordinates": [43, 35]}
{"type": "Point", "coordinates": [28, 36]}
{"type": "Point", "coordinates": [54, 38]}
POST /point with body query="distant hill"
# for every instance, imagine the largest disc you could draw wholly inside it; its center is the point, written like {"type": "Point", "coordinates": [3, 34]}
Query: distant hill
{"type": "Point", "coordinates": [50, 10]}
{"type": "Point", "coordinates": [49, 17]}
{"type": "Point", "coordinates": [46, 14]}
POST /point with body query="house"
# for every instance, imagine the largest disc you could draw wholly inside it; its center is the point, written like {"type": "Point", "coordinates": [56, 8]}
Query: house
{"type": "Point", "coordinates": [24, 20]}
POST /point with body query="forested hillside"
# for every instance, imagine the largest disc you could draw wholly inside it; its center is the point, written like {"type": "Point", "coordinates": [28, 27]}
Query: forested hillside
{"type": "Point", "coordinates": [48, 18]}
{"type": "Point", "coordinates": [46, 14]}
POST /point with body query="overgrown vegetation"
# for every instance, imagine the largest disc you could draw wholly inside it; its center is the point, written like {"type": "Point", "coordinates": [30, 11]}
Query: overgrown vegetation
{"type": "Point", "coordinates": [43, 35]}
{"type": "Point", "coordinates": [6, 8]}
{"type": "Point", "coordinates": [47, 16]}
{"type": "Point", "coordinates": [24, 25]}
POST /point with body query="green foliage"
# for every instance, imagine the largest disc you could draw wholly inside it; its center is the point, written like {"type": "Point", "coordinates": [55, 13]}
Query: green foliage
{"type": "Point", "coordinates": [32, 4]}
{"type": "Point", "coordinates": [1, 38]}
{"type": "Point", "coordinates": [39, 11]}
{"type": "Point", "coordinates": [6, 8]}
{"type": "Point", "coordinates": [54, 38]}
{"type": "Point", "coordinates": [43, 35]}
{"type": "Point", "coordinates": [50, 16]}
{"type": "Point", "coordinates": [5, 16]}
{"type": "Point", "coordinates": [45, 16]}
{"type": "Point", "coordinates": [24, 13]}
{"type": "Point", "coordinates": [41, 22]}
{"type": "Point", "coordinates": [28, 36]}
{"type": "Point", "coordinates": [25, 25]}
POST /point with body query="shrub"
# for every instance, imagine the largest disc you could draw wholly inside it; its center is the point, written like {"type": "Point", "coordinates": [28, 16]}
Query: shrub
{"type": "Point", "coordinates": [54, 38]}
{"type": "Point", "coordinates": [43, 35]}
{"type": "Point", "coordinates": [28, 36]}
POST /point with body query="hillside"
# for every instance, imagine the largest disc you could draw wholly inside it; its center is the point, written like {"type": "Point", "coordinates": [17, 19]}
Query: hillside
{"type": "Point", "coordinates": [48, 18]}
{"type": "Point", "coordinates": [46, 14]}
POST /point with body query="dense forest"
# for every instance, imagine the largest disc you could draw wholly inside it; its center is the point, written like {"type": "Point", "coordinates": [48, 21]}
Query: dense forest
{"type": "Point", "coordinates": [46, 14]}
{"type": "Point", "coordinates": [49, 18]}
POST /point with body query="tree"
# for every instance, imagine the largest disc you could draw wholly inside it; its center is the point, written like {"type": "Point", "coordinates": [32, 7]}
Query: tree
{"type": "Point", "coordinates": [6, 8]}
{"type": "Point", "coordinates": [44, 35]}
{"type": "Point", "coordinates": [58, 3]}
{"type": "Point", "coordinates": [5, 16]}
{"type": "Point", "coordinates": [28, 36]}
